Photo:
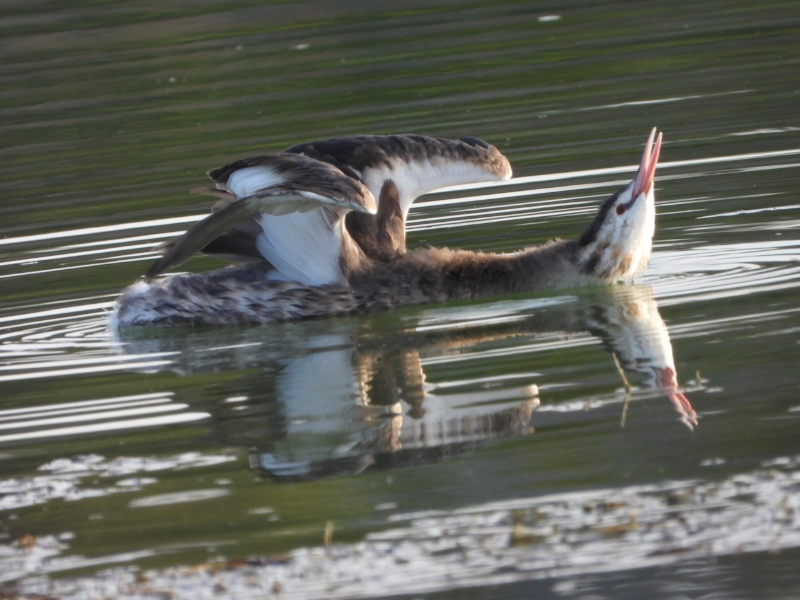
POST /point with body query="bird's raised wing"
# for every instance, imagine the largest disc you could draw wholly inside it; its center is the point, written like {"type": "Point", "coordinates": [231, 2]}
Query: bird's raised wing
{"type": "Point", "coordinates": [417, 164]}
{"type": "Point", "coordinates": [271, 185]}
{"type": "Point", "coordinates": [397, 169]}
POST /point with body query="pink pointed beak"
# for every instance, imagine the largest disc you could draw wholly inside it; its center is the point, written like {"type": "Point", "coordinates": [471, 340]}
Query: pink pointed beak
{"type": "Point", "coordinates": [647, 168]}
{"type": "Point", "coordinates": [668, 383]}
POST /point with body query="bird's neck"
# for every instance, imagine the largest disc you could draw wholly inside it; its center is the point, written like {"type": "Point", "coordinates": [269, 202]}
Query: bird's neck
{"type": "Point", "coordinates": [618, 249]}
{"type": "Point", "coordinates": [443, 274]}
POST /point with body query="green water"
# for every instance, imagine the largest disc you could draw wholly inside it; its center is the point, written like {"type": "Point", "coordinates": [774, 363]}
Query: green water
{"type": "Point", "coordinates": [182, 447]}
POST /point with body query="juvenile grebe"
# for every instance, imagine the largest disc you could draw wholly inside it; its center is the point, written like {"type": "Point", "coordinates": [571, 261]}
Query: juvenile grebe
{"type": "Point", "coordinates": [314, 260]}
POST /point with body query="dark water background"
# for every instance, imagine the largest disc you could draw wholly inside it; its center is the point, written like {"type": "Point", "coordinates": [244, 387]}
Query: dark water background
{"type": "Point", "coordinates": [469, 450]}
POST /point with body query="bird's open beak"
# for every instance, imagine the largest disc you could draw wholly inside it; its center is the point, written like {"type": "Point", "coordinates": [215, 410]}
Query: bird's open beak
{"type": "Point", "coordinates": [647, 168]}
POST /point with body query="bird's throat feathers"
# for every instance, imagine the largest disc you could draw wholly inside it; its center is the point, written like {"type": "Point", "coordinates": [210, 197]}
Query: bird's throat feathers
{"type": "Point", "coordinates": [618, 243]}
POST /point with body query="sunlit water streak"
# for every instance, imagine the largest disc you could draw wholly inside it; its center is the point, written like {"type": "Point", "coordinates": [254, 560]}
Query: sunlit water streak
{"type": "Point", "coordinates": [82, 308]}
{"type": "Point", "coordinates": [74, 255]}
{"type": "Point", "coordinates": [94, 416]}
{"type": "Point", "coordinates": [91, 231]}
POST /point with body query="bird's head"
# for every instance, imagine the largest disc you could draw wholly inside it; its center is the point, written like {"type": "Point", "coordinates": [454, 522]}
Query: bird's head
{"type": "Point", "coordinates": [617, 245]}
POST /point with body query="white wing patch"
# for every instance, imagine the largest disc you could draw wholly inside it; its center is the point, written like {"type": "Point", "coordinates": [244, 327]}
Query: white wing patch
{"type": "Point", "coordinates": [246, 182]}
{"type": "Point", "coordinates": [303, 247]}
{"type": "Point", "coordinates": [415, 178]}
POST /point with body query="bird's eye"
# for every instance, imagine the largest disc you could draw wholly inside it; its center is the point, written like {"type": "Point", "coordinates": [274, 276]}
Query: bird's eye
{"type": "Point", "coordinates": [621, 208]}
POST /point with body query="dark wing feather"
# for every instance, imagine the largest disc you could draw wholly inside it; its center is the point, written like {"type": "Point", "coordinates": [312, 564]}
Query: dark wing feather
{"type": "Point", "coordinates": [200, 234]}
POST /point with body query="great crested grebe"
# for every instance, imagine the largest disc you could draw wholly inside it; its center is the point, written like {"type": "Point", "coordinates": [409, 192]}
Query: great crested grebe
{"type": "Point", "coordinates": [325, 224]}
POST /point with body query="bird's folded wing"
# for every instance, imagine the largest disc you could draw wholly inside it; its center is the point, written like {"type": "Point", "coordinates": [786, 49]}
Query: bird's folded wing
{"type": "Point", "coordinates": [270, 185]}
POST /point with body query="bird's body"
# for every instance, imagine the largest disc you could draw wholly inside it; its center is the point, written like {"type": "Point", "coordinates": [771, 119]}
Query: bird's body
{"type": "Point", "coordinates": [247, 293]}
{"type": "Point", "coordinates": [327, 260]}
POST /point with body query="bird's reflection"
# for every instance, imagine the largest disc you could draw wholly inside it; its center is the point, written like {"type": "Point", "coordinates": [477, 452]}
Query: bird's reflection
{"type": "Point", "coordinates": [633, 330]}
{"type": "Point", "coordinates": [332, 398]}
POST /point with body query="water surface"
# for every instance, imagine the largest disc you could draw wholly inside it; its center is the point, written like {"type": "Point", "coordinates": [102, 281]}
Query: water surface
{"type": "Point", "coordinates": [478, 449]}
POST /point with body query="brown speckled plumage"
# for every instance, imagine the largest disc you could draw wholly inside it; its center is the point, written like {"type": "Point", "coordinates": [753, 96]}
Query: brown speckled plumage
{"type": "Point", "coordinates": [243, 294]}
{"type": "Point", "coordinates": [360, 152]}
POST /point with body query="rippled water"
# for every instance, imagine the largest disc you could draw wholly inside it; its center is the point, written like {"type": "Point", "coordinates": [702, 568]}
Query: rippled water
{"type": "Point", "coordinates": [487, 449]}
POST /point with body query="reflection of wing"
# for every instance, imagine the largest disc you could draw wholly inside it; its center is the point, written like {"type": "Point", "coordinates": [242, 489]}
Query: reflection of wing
{"type": "Point", "coordinates": [347, 408]}
{"type": "Point", "coordinates": [399, 168]}
{"type": "Point", "coordinates": [318, 392]}
{"type": "Point", "coordinates": [267, 186]}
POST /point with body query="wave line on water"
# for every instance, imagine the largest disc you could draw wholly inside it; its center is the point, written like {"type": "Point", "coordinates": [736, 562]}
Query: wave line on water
{"type": "Point", "coordinates": [156, 364]}
{"type": "Point", "coordinates": [105, 427]}
{"type": "Point", "coordinates": [59, 311]}
{"type": "Point", "coordinates": [48, 257]}
{"type": "Point", "coordinates": [74, 407]}
{"type": "Point", "coordinates": [94, 416]}
{"type": "Point", "coordinates": [102, 229]}
{"type": "Point", "coordinates": [84, 361]}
